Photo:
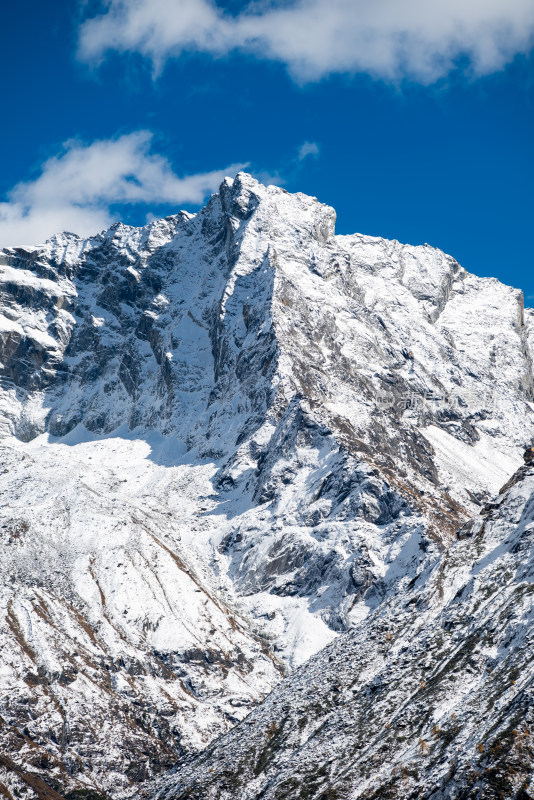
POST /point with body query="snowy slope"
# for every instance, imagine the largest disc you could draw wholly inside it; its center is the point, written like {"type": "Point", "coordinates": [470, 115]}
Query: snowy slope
{"type": "Point", "coordinates": [118, 651]}
{"type": "Point", "coordinates": [432, 697]}
{"type": "Point", "coordinates": [228, 437]}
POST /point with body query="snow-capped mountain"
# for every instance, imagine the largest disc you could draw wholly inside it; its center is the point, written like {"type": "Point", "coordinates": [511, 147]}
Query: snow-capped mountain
{"type": "Point", "coordinates": [227, 438]}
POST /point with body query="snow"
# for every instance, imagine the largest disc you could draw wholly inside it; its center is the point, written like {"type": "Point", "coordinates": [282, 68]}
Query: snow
{"type": "Point", "coordinates": [482, 464]}
{"type": "Point", "coordinates": [240, 438]}
{"type": "Point", "coordinates": [412, 690]}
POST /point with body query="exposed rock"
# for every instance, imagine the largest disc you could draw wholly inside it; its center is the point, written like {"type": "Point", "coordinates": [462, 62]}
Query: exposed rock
{"type": "Point", "coordinates": [227, 438]}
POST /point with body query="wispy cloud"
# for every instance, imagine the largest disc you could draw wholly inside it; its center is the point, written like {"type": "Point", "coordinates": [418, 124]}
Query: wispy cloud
{"type": "Point", "coordinates": [421, 40]}
{"type": "Point", "coordinates": [77, 188]}
{"type": "Point", "coordinates": [308, 149]}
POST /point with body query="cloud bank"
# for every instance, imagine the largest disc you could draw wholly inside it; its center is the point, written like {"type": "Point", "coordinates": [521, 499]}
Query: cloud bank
{"type": "Point", "coordinates": [77, 189]}
{"type": "Point", "coordinates": [421, 40]}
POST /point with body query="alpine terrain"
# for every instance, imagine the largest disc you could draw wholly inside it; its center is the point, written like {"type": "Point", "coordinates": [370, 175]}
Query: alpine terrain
{"type": "Point", "coordinates": [267, 514]}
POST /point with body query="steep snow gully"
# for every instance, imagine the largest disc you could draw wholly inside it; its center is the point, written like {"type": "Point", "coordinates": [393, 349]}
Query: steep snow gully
{"type": "Point", "coordinates": [259, 532]}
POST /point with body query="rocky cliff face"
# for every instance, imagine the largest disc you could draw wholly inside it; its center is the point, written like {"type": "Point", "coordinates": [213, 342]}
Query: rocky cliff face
{"type": "Point", "coordinates": [227, 439]}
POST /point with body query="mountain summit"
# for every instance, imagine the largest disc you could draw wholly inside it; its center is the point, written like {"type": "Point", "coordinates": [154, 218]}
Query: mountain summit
{"type": "Point", "coordinates": [228, 439]}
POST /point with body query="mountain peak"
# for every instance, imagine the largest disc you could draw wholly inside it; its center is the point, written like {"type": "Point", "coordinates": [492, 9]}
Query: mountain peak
{"type": "Point", "coordinates": [284, 426]}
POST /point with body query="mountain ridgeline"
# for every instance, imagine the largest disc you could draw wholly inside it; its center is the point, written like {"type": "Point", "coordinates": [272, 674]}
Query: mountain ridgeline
{"type": "Point", "coordinates": [243, 456]}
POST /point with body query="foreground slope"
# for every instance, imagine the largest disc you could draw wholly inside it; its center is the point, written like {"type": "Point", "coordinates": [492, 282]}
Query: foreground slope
{"type": "Point", "coordinates": [226, 438]}
{"type": "Point", "coordinates": [431, 698]}
{"type": "Point", "coordinates": [117, 652]}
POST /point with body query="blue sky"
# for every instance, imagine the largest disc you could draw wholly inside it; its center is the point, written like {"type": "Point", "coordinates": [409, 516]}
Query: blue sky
{"type": "Point", "coordinates": [414, 124]}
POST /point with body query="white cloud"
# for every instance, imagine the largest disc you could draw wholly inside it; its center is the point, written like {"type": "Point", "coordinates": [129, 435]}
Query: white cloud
{"type": "Point", "coordinates": [308, 149]}
{"type": "Point", "coordinates": [77, 188]}
{"type": "Point", "coordinates": [389, 39]}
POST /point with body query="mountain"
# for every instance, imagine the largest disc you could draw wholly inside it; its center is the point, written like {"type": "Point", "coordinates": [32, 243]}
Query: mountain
{"type": "Point", "coordinates": [229, 440]}
{"type": "Point", "coordinates": [432, 698]}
